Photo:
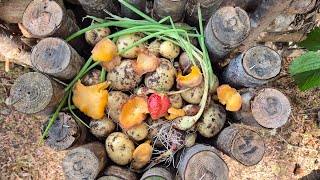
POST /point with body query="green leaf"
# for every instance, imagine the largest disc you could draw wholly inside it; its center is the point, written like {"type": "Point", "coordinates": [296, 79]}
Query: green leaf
{"type": "Point", "coordinates": [312, 43]}
{"type": "Point", "coordinates": [308, 80]}
{"type": "Point", "coordinates": [306, 62]}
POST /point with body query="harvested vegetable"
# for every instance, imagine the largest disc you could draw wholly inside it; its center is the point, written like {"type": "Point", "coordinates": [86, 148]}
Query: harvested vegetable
{"type": "Point", "coordinates": [109, 65]}
{"type": "Point", "coordinates": [91, 100]}
{"type": "Point", "coordinates": [102, 128]}
{"type": "Point", "coordinates": [95, 35]}
{"type": "Point", "coordinates": [128, 39]}
{"type": "Point", "coordinates": [193, 95]}
{"type": "Point", "coordinates": [91, 78]}
{"type": "Point", "coordinates": [191, 80]}
{"type": "Point", "coordinates": [138, 132]}
{"type": "Point", "coordinates": [190, 139]}
{"type": "Point", "coordinates": [169, 50]}
{"type": "Point", "coordinates": [230, 97]}
{"type": "Point", "coordinates": [141, 156]}
{"type": "Point", "coordinates": [104, 50]}
{"type": "Point", "coordinates": [176, 101]}
{"type": "Point", "coordinates": [119, 148]}
{"type": "Point", "coordinates": [174, 113]}
{"type": "Point", "coordinates": [191, 109]}
{"type": "Point", "coordinates": [154, 47]}
{"type": "Point", "coordinates": [133, 112]}
{"type": "Point", "coordinates": [116, 101]}
{"type": "Point", "coordinates": [185, 63]}
{"type": "Point", "coordinates": [146, 62]}
{"type": "Point", "coordinates": [158, 105]}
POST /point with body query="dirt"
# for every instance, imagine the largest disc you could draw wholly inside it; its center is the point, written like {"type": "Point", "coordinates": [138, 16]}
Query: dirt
{"type": "Point", "coordinates": [292, 151]}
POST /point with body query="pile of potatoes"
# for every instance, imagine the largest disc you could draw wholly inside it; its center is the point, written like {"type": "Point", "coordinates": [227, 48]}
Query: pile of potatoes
{"type": "Point", "coordinates": [120, 144]}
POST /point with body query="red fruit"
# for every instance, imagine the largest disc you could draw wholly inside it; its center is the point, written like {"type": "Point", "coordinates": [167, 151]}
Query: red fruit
{"type": "Point", "coordinates": [158, 105]}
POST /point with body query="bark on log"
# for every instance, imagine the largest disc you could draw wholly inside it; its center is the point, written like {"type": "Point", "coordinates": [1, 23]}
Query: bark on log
{"type": "Point", "coordinates": [262, 17]}
{"type": "Point", "coordinates": [158, 173]}
{"type": "Point", "coordinates": [226, 29]}
{"type": "Point", "coordinates": [12, 48]}
{"type": "Point", "coordinates": [253, 68]}
{"type": "Point", "coordinates": [208, 7]}
{"type": "Point", "coordinates": [84, 162]}
{"type": "Point", "coordinates": [139, 4]}
{"type": "Point", "coordinates": [97, 8]}
{"type": "Point", "coordinates": [267, 107]}
{"type": "Point", "coordinates": [117, 172]}
{"type": "Point", "coordinates": [35, 93]}
{"type": "Point", "coordinates": [301, 7]}
{"type": "Point", "coordinates": [244, 145]}
{"type": "Point", "coordinates": [49, 18]}
{"type": "Point", "coordinates": [202, 162]}
{"type": "Point", "coordinates": [247, 5]}
{"type": "Point", "coordinates": [65, 133]}
{"type": "Point", "coordinates": [57, 58]}
{"type": "Point", "coordinates": [164, 8]}
{"type": "Point", "coordinates": [11, 11]}
{"type": "Point", "coordinates": [282, 36]}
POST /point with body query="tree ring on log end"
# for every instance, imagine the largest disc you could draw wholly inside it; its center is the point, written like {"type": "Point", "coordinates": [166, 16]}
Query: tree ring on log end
{"type": "Point", "coordinates": [31, 93]}
{"type": "Point", "coordinates": [270, 108]}
{"type": "Point", "coordinates": [248, 147]}
{"type": "Point", "coordinates": [231, 25]}
{"type": "Point", "coordinates": [261, 62]}
{"type": "Point", "coordinates": [42, 18]}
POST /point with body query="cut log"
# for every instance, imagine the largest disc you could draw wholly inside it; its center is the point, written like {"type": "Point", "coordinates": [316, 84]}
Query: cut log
{"type": "Point", "coordinates": [97, 8]}
{"type": "Point", "coordinates": [49, 18]}
{"type": "Point", "coordinates": [253, 68]}
{"type": "Point", "coordinates": [11, 11]}
{"type": "Point", "coordinates": [12, 48]}
{"type": "Point", "coordinates": [164, 8]}
{"type": "Point", "coordinates": [247, 5]}
{"type": "Point", "coordinates": [57, 58]}
{"type": "Point", "coordinates": [114, 172]}
{"type": "Point", "coordinates": [267, 107]}
{"type": "Point", "coordinates": [158, 173]}
{"type": "Point", "coordinates": [282, 36]}
{"type": "Point", "coordinates": [262, 17]}
{"type": "Point", "coordinates": [84, 162]}
{"type": "Point", "coordinates": [35, 93]}
{"type": "Point", "coordinates": [301, 7]}
{"type": "Point", "coordinates": [65, 133]}
{"type": "Point", "coordinates": [139, 4]}
{"type": "Point", "coordinates": [243, 145]}
{"type": "Point", "coordinates": [208, 7]}
{"type": "Point", "coordinates": [226, 29]}
{"type": "Point", "coordinates": [202, 162]}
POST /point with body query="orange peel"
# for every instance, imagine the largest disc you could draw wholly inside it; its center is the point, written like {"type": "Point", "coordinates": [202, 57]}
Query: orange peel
{"type": "Point", "coordinates": [190, 80]}
{"type": "Point", "coordinates": [91, 100]}
{"type": "Point", "coordinates": [174, 113]}
{"type": "Point", "coordinates": [146, 62]}
{"type": "Point", "coordinates": [133, 112]}
{"type": "Point", "coordinates": [141, 155]}
{"type": "Point", "coordinates": [104, 50]}
{"type": "Point", "coordinates": [230, 97]}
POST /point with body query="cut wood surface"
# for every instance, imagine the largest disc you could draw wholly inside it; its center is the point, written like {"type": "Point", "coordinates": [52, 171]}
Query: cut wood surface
{"type": "Point", "coordinates": [282, 36]}
{"type": "Point", "coordinates": [226, 29]}
{"type": "Point", "coordinates": [164, 8]}
{"type": "Point", "coordinates": [300, 7]}
{"type": "Point", "coordinates": [160, 173]}
{"type": "Point", "coordinates": [57, 58]}
{"type": "Point", "coordinates": [139, 4]}
{"type": "Point", "coordinates": [253, 68]}
{"type": "Point", "coordinates": [84, 162]}
{"type": "Point", "coordinates": [97, 8]}
{"type": "Point", "coordinates": [35, 93]}
{"type": "Point", "coordinates": [114, 172]}
{"type": "Point", "coordinates": [12, 47]}
{"type": "Point", "coordinates": [244, 145]}
{"type": "Point", "coordinates": [65, 133]}
{"type": "Point", "coordinates": [202, 162]}
{"type": "Point", "coordinates": [11, 11]}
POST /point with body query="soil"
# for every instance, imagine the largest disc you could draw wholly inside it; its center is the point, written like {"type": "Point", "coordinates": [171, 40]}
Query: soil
{"type": "Point", "coordinates": [292, 151]}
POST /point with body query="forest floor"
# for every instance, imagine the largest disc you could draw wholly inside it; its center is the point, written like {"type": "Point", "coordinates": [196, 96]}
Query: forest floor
{"type": "Point", "coordinates": [292, 151]}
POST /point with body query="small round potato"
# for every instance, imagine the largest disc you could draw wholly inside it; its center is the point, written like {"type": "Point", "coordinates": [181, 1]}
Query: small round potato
{"type": "Point", "coordinates": [123, 77]}
{"type": "Point", "coordinates": [185, 62]}
{"type": "Point", "coordinates": [119, 148]}
{"type": "Point", "coordinates": [215, 85]}
{"type": "Point", "coordinates": [169, 50]}
{"type": "Point", "coordinates": [102, 128]}
{"type": "Point", "coordinates": [138, 132]}
{"type": "Point", "coordinates": [193, 95]}
{"type": "Point", "coordinates": [176, 101]}
{"type": "Point", "coordinates": [95, 35]}
{"type": "Point", "coordinates": [190, 139]}
{"type": "Point", "coordinates": [211, 121]}
{"type": "Point", "coordinates": [91, 78]}
{"type": "Point", "coordinates": [162, 78]}
{"type": "Point", "coordinates": [115, 100]}
{"type": "Point", "coordinates": [154, 47]}
{"type": "Point", "coordinates": [126, 40]}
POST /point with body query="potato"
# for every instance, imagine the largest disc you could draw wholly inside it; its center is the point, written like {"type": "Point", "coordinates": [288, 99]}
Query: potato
{"type": "Point", "coordinates": [123, 77]}
{"type": "Point", "coordinates": [91, 78]}
{"type": "Point", "coordinates": [154, 47]}
{"type": "Point", "coordinates": [119, 148]}
{"type": "Point", "coordinates": [169, 50]}
{"type": "Point", "coordinates": [115, 100]}
{"type": "Point", "coordinates": [139, 132]}
{"type": "Point", "coordinates": [94, 36]}
{"type": "Point", "coordinates": [176, 101]}
{"type": "Point", "coordinates": [211, 121]}
{"type": "Point", "coordinates": [190, 139]}
{"type": "Point", "coordinates": [163, 78]}
{"type": "Point", "coordinates": [193, 95]}
{"type": "Point", "coordinates": [102, 128]}
{"type": "Point", "coordinates": [126, 40]}
{"type": "Point", "coordinates": [185, 62]}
